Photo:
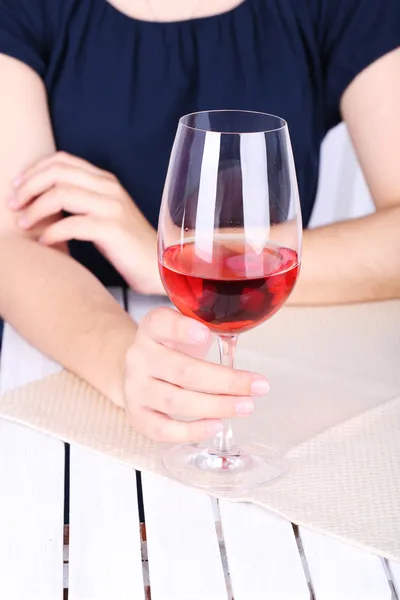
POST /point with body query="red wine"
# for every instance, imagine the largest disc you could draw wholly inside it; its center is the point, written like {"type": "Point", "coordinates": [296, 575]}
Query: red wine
{"type": "Point", "coordinates": [231, 288]}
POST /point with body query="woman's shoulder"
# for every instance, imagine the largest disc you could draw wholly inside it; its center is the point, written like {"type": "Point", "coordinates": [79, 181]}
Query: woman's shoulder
{"type": "Point", "coordinates": [40, 18]}
{"type": "Point", "coordinates": [346, 24]}
{"type": "Point", "coordinates": [329, 12]}
{"type": "Point", "coordinates": [29, 29]}
{"type": "Point", "coordinates": [33, 12]}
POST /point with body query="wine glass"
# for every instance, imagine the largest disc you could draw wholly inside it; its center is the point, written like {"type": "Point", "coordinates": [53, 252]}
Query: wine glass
{"type": "Point", "coordinates": [229, 249]}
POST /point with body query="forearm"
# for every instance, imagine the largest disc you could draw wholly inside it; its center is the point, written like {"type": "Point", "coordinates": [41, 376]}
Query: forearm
{"type": "Point", "coordinates": [61, 308]}
{"type": "Point", "coordinates": [351, 261]}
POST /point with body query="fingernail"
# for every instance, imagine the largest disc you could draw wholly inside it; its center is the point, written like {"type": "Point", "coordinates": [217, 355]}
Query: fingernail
{"type": "Point", "coordinates": [214, 428]}
{"type": "Point", "coordinates": [260, 387]}
{"type": "Point", "coordinates": [244, 407]}
{"type": "Point", "coordinates": [198, 333]}
{"type": "Point", "coordinates": [18, 180]}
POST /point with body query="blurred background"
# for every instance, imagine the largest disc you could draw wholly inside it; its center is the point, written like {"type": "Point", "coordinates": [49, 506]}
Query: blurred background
{"type": "Point", "coordinates": [342, 192]}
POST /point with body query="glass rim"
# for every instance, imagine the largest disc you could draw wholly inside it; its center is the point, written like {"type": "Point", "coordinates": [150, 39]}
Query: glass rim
{"type": "Point", "coordinates": [283, 122]}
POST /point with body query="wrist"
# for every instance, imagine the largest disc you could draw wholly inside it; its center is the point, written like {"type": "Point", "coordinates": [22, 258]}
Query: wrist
{"type": "Point", "coordinates": [117, 342]}
{"type": "Point", "coordinates": [138, 265]}
{"type": "Point", "coordinates": [153, 288]}
{"type": "Point", "coordinates": [147, 280]}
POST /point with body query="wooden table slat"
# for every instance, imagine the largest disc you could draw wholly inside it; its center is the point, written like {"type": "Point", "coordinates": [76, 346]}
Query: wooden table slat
{"type": "Point", "coordinates": [105, 558]}
{"type": "Point", "coordinates": [395, 573]}
{"type": "Point", "coordinates": [263, 558]}
{"type": "Point", "coordinates": [32, 490]}
{"type": "Point", "coordinates": [182, 544]}
{"type": "Point", "coordinates": [340, 571]}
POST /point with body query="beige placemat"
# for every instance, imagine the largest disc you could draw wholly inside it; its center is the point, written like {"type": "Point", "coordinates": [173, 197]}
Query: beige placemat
{"type": "Point", "coordinates": [334, 409]}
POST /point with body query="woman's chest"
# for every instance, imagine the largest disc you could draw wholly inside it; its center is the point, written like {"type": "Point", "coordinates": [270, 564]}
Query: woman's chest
{"type": "Point", "coordinates": [118, 79]}
{"type": "Point", "coordinates": [119, 86]}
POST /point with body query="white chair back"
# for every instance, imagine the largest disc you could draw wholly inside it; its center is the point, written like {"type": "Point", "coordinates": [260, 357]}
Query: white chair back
{"type": "Point", "coordinates": [342, 191]}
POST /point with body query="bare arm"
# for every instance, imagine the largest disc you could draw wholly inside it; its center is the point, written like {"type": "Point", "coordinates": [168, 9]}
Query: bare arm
{"type": "Point", "coordinates": [46, 295]}
{"type": "Point", "coordinates": [63, 310]}
{"type": "Point", "coordinates": [359, 260]}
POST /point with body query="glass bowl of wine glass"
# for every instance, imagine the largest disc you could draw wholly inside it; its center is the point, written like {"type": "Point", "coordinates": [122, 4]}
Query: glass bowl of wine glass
{"type": "Point", "coordinates": [229, 251]}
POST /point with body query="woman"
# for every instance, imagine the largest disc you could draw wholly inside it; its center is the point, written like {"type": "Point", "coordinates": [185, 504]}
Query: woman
{"type": "Point", "coordinates": [104, 81]}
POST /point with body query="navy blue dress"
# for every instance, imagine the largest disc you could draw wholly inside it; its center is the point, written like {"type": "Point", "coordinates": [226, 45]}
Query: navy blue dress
{"type": "Point", "coordinates": [117, 85]}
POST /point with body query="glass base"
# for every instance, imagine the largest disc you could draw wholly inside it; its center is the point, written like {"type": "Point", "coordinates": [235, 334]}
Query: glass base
{"type": "Point", "coordinates": [201, 466]}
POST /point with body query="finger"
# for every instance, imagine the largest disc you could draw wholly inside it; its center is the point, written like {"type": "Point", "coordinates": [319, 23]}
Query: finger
{"type": "Point", "coordinates": [59, 158]}
{"type": "Point", "coordinates": [164, 325]}
{"type": "Point", "coordinates": [161, 428]}
{"type": "Point", "coordinates": [201, 376]}
{"type": "Point", "coordinates": [194, 374]}
{"type": "Point", "coordinates": [196, 350]}
{"type": "Point", "coordinates": [169, 327]}
{"type": "Point", "coordinates": [45, 179]}
{"type": "Point", "coordinates": [172, 400]}
{"type": "Point", "coordinates": [65, 198]}
{"type": "Point", "coordinates": [82, 228]}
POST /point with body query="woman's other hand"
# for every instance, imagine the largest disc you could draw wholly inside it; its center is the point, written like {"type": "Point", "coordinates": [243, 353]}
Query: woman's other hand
{"type": "Point", "coordinates": [101, 212]}
{"type": "Point", "coordinates": [166, 376]}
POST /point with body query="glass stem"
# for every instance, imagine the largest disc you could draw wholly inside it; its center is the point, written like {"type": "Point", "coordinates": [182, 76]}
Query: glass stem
{"type": "Point", "coordinates": [224, 441]}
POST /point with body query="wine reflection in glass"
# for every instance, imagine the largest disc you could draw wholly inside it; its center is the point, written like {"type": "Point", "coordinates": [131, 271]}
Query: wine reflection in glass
{"type": "Point", "coordinates": [229, 249]}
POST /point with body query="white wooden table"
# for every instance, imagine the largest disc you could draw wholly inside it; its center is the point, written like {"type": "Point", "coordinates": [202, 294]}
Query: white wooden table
{"type": "Point", "coordinates": [190, 549]}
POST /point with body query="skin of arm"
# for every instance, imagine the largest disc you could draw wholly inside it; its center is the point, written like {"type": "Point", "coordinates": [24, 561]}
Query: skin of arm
{"type": "Point", "coordinates": [154, 370]}
{"type": "Point", "coordinates": [44, 290]}
{"type": "Point", "coordinates": [359, 260]}
{"type": "Point", "coordinates": [54, 302]}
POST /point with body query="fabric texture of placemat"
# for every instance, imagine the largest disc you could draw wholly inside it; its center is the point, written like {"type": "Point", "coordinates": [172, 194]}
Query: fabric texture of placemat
{"type": "Point", "coordinates": [333, 410]}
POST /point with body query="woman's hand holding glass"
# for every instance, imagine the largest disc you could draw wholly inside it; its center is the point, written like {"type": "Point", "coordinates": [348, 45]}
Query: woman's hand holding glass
{"type": "Point", "coordinates": [167, 376]}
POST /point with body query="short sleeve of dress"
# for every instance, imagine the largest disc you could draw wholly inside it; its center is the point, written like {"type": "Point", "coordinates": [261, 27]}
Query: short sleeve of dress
{"type": "Point", "coordinates": [24, 32]}
{"type": "Point", "coordinates": [352, 35]}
